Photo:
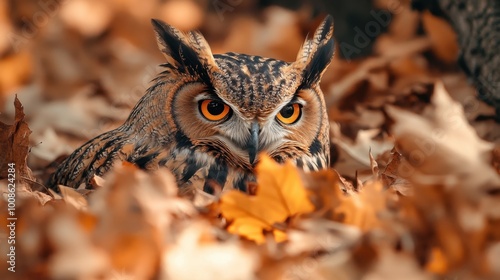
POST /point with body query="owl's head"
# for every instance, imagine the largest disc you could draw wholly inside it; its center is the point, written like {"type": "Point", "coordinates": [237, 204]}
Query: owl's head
{"type": "Point", "coordinates": [234, 106]}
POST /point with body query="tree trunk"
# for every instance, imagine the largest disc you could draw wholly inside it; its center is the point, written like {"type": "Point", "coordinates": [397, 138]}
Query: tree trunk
{"type": "Point", "coordinates": [477, 23]}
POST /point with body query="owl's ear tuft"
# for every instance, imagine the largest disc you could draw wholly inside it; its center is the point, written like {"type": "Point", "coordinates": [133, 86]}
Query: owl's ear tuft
{"type": "Point", "coordinates": [188, 54]}
{"type": "Point", "coordinates": [318, 62]}
{"type": "Point", "coordinates": [317, 53]}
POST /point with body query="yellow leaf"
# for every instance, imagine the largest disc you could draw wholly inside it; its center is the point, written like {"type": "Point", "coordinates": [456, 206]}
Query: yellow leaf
{"type": "Point", "coordinates": [280, 194]}
{"type": "Point", "coordinates": [282, 184]}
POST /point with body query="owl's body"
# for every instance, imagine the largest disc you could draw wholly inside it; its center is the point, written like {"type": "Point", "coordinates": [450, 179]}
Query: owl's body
{"type": "Point", "coordinates": [208, 116]}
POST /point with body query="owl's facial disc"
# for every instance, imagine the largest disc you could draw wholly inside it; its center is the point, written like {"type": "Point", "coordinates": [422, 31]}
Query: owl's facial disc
{"type": "Point", "coordinates": [217, 111]}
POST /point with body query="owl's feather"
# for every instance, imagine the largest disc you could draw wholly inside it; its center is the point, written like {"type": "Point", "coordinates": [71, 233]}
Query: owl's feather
{"type": "Point", "coordinates": [323, 34]}
{"type": "Point", "coordinates": [179, 52]}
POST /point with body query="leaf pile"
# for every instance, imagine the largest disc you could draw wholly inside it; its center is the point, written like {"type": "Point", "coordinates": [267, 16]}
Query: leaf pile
{"type": "Point", "coordinates": [413, 192]}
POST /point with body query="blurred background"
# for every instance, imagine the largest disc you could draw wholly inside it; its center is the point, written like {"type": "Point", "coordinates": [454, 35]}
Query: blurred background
{"type": "Point", "coordinates": [78, 66]}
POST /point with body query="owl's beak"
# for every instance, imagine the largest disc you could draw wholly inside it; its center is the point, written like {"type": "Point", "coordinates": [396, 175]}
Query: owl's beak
{"type": "Point", "coordinates": [253, 142]}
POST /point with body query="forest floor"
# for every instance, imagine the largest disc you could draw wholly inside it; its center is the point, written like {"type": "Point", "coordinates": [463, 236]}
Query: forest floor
{"type": "Point", "coordinates": [413, 191]}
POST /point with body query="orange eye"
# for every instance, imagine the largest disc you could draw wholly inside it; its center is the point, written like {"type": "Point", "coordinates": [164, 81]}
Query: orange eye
{"type": "Point", "coordinates": [213, 110]}
{"type": "Point", "coordinates": [290, 113]}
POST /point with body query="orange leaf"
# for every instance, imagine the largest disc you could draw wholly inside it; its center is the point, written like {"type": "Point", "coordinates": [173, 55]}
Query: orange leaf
{"type": "Point", "coordinates": [437, 263]}
{"type": "Point", "coordinates": [362, 209]}
{"type": "Point", "coordinates": [280, 194]}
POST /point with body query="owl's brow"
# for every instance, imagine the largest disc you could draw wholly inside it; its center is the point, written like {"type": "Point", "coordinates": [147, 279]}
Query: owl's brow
{"type": "Point", "coordinates": [207, 95]}
{"type": "Point", "coordinates": [297, 99]}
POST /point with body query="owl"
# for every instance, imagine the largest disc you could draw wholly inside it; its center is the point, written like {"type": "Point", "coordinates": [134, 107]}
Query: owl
{"type": "Point", "coordinates": [207, 117]}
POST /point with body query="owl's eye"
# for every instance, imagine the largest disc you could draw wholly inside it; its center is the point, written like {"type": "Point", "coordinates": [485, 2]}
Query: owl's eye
{"type": "Point", "coordinates": [214, 110]}
{"type": "Point", "coordinates": [290, 113]}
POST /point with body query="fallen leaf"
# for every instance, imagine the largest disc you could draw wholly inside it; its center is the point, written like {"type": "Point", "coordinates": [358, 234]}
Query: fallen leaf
{"type": "Point", "coordinates": [15, 70]}
{"type": "Point", "coordinates": [15, 146]}
{"type": "Point", "coordinates": [212, 260]}
{"type": "Point", "coordinates": [135, 211]}
{"type": "Point", "coordinates": [173, 12]}
{"type": "Point", "coordinates": [6, 27]}
{"type": "Point", "coordinates": [97, 182]}
{"type": "Point", "coordinates": [76, 256]}
{"type": "Point", "coordinates": [437, 263]}
{"type": "Point", "coordinates": [374, 166]}
{"type": "Point", "coordinates": [314, 235]}
{"type": "Point", "coordinates": [362, 209]}
{"type": "Point", "coordinates": [434, 146]}
{"type": "Point", "coordinates": [90, 18]}
{"type": "Point", "coordinates": [280, 195]}
{"type": "Point", "coordinates": [354, 155]}
{"type": "Point", "coordinates": [405, 24]}
{"type": "Point", "coordinates": [443, 37]}
{"type": "Point", "coordinates": [73, 198]}
{"type": "Point", "coordinates": [396, 173]}
{"type": "Point", "coordinates": [407, 268]}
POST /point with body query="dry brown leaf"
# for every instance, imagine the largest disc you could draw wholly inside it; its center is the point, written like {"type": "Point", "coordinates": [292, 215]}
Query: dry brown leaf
{"type": "Point", "coordinates": [386, 268]}
{"type": "Point", "coordinates": [278, 35]}
{"type": "Point", "coordinates": [368, 119]}
{"type": "Point", "coordinates": [354, 155]}
{"type": "Point", "coordinates": [492, 257]}
{"type": "Point", "coordinates": [441, 147]}
{"type": "Point", "coordinates": [396, 173]}
{"type": "Point", "coordinates": [75, 255]}
{"type": "Point", "coordinates": [41, 197]}
{"type": "Point", "coordinates": [313, 235]}
{"type": "Point", "coordinates": [15, 71]}
{"type": "Point", "coordinates": [379, 80]}
{"type": "Point", "coordinates": [195, 257]}
{"type": "Point", "coordinates": [404, 25]}
{"type": "Point", "coordinates": [406, 66]}
{"type": "Point", "coordinates": [459, 232]}
{"type": "Point", "coordinates": [174, 13]}
{"type": "Point", "coordinates": [132, 208]}
{"type": "Point", "coordinates": [90, 18]}
{"type": "Point", "coordinates": [15, 145]}
{"type": "Point", "coordinates": [388, 48]}
{"type": "Point", "coordinates": [374, 166]}
{"type": "Point", "coordinates": [73, 198]}
{"type": "Point", "coordinates": [443, 37]}
{"type": "Point", "coordinates": [362, 209]}
{"type": "Point", "coordinates": [5, 28]}
{"type": "Point", "coordinates": [84, 115]}
{"type": "Point", "coordinates": [341, 88]}
{"type": "Point", "coordinates": [97, 182]}
{"type": "Point", "coordinates": [496, 158]}
{"type": "Point", "coordinates": [350, 205]}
